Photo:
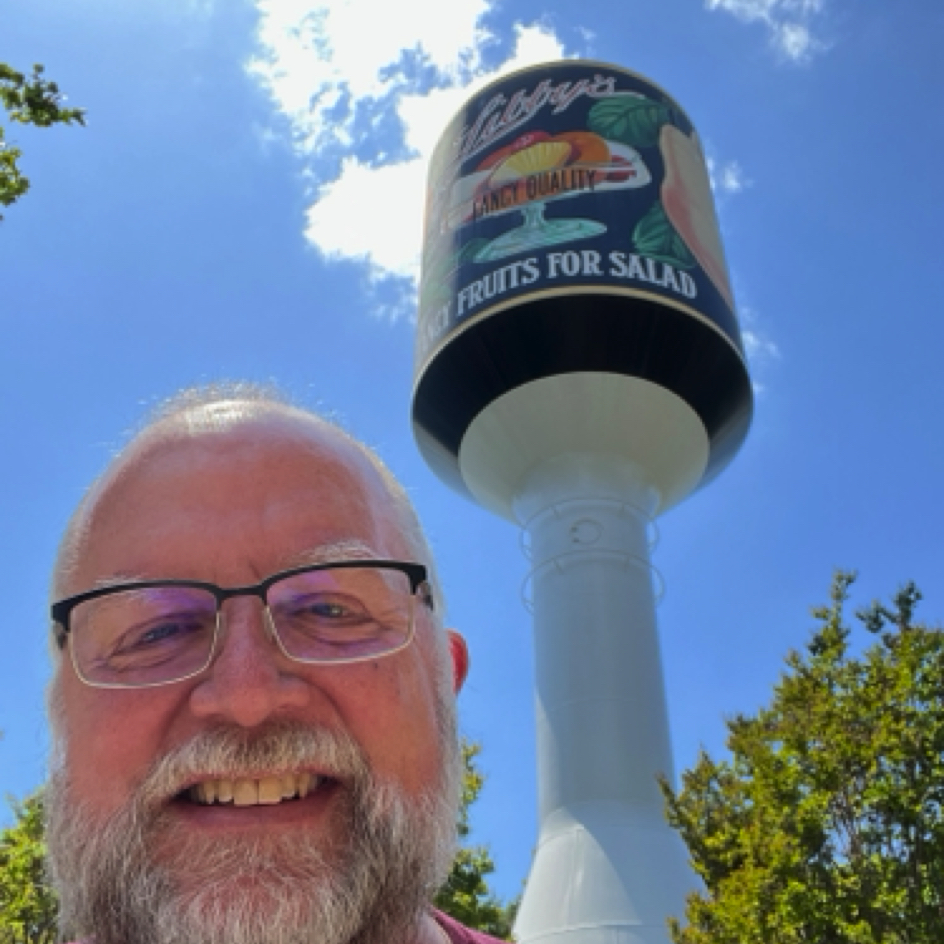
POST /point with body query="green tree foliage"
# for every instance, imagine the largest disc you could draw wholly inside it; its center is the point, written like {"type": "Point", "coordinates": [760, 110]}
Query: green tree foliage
{"type": "Point", "coordinates": [466, 895]}
{"type": "Point", "coordinates": [826, 825]}
{"type": "Point", "coordinates": [28, 100]}
{"type": "Point", "coordinates": [27, 903]}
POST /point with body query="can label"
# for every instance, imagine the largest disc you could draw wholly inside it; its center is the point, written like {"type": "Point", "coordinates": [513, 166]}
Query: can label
{"type": "Point", "coordinates": [569, 177]}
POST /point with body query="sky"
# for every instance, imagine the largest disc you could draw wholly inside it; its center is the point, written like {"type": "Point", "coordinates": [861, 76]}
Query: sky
{"type": "Point", "coordinates": [246, 202]}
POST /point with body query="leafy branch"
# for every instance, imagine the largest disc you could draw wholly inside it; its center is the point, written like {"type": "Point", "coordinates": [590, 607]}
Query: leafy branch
{"type": "Point", "coordinates": [29, 100]}
{"type": "Point", "coordinates": [826, 823]}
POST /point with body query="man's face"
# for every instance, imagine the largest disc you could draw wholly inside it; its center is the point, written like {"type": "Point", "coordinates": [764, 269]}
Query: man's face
{"type": "Point", "coordinates": [231, 507]}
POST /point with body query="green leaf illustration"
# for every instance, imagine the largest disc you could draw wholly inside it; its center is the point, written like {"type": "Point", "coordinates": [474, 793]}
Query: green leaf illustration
{"type": "Point", "coordinates": [470, 250]}
{"type": "Point", "coordinates": [656, 237]}
{"type": "Point", "coordinates": [436, 268]}
{"type": "Point", "coordinates": [629, 120]}
{"type": "Point", "coordinates": [439, 270]}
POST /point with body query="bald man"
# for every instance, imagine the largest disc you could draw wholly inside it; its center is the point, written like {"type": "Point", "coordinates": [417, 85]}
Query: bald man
{"type": "Point", "coordinates": [253, 703]}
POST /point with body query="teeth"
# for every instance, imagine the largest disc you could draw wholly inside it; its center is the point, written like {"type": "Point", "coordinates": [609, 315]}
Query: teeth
{"type": "Point", "coordinates": [270, 790]}
{"type": "Point", "coordinates": [246, 792]}
{"type": "Point", "coordinates": [265, 790]}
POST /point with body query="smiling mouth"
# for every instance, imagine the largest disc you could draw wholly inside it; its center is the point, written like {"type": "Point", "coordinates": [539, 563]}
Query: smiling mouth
{"type": "Point", "coordinates": [262, 791]}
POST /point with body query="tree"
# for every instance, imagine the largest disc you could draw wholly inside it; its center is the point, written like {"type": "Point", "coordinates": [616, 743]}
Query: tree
{"type": "Point", "coordinates": [466, 896]}
{"type": "Point", "coordinates": [29, 100]}
{"type": "Point", "coordinates": [27, 903]}
{"type": "Point", "coordinates": [826, 824]}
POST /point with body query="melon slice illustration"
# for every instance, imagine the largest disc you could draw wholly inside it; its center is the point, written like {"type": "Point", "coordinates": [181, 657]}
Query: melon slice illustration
{"type": "Point", "coordinates": [686, 196]}
{"type": "Point", "coordinates": [548, 155]}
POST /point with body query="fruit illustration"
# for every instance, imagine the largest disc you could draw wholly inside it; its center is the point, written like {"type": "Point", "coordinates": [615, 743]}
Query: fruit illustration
{"type": "Point", "coordinates": [519, 144]}
{"type": "Point", "coordinates": [688, 203]}
{"type": "Point", "coordinates": [537, 167]}
{"type": "Point", "coordinates": [548, 155]}
{"type": "Point", "coordinates": [589, 148]}
{"type": "Point", "coordinates": [620, 176]}
{"type": "Point", "coordinates": [537, 152]}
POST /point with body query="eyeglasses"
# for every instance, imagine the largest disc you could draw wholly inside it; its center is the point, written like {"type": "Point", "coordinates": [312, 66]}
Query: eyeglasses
{"type": "Point", "coordinates": [153, 632]}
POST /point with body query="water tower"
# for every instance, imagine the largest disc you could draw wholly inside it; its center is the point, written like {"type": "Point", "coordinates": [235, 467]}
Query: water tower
{"type": "Point", "coordinates": [579, 371]}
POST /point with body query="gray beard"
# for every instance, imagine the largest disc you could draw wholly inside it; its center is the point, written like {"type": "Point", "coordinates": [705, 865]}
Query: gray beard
{"type": "Point", "coordinates": [119, 880]}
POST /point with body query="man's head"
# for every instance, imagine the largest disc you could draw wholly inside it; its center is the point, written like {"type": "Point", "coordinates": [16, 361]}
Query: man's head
{"type": "Point", "coordinates": [229, 491]}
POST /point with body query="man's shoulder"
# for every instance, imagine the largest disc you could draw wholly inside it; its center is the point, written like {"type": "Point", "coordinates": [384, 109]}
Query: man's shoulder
{"type": "Point", "coordinates": [460, 934]}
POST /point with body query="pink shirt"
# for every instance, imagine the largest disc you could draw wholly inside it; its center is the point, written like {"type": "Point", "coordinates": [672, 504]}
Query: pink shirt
{"type": "Point", "coordinates": [460, 934]}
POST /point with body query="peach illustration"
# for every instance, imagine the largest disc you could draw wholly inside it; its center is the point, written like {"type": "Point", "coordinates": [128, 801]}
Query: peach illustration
{"type": "Point", "coordinates": [688, 203]}
{"type": "Point", "coordinates": [589, 148]}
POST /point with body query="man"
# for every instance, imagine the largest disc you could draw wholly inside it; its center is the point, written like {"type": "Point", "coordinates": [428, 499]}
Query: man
{"type": "Point", "coordinates": [253, 700]}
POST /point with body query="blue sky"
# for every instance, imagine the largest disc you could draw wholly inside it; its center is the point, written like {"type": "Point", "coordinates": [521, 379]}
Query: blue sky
{"type": "Point", "coordinates": [246, 202]}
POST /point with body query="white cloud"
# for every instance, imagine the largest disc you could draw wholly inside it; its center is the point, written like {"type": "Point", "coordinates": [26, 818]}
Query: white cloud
{"type": "Point", "coordinates": [761, 351]}
{"type": "Point", "coordinates": [795, 40]}
{"type": "Point", "coordinates": [788, 23]}
{"type": "Point", "coordinates": [367, 89]}
{"type": "Point", "coordinates": [758, 347]}
{"type": "Point", "coordinates": [728, 178]}
{"type": "Point", "coordinates": [371, 214]}
{"type": "Point", "coordinates": [365, 107]}
{"type": "Point", "coordinates": [732, 178]}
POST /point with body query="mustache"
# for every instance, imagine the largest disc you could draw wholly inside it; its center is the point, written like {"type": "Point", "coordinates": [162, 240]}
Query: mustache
{"type": "Point", "coordinates": [233, 753]}
{"type": "Point", "coordinates": [121, 875]}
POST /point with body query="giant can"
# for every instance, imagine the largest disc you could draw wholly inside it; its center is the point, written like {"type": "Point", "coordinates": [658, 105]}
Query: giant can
{"type": "Point", "coordinates": [570, 228]}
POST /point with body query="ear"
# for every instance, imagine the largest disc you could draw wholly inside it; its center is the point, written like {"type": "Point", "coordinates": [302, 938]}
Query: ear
{"type": "Point", "coordinates": [459, 652]}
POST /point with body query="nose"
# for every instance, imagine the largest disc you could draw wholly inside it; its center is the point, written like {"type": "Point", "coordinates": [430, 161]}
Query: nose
{"type": "Point", "coordinates": [250, 680]}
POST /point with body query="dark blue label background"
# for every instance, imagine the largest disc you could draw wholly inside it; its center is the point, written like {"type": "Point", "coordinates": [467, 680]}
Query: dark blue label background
{"type": "Point", "coordinates": [448, 293]}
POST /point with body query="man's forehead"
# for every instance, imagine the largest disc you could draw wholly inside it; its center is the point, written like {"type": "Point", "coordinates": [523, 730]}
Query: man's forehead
{"type": "Point", "coordinates": [344, 550]}
{"type": "Point", "coordinates": [228, 434]}
{"type": "Point", "coordinates": [181, 458]}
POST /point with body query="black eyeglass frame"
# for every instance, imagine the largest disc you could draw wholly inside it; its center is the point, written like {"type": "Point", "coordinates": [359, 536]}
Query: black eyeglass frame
{"type": "Point", "coordinates": [61, 610]}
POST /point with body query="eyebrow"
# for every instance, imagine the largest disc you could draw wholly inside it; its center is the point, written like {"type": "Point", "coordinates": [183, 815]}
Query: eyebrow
{"type": "Point", "coordinates": [351, 549]}
{"type": "Point", "coordinates": [117, 580]}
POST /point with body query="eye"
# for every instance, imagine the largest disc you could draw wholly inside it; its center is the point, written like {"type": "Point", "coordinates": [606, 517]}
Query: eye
{"type": "Point", "coordinates": [328, 610]}
{"type": "Point", "coordinates": [162, 633]}
{"type": "Point", "coordinates": [167, 632]}
{"type": "Point", "coordinates": [332, 608]}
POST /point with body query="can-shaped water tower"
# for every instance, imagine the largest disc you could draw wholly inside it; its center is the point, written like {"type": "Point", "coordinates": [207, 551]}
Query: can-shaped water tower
{"type": "Point", "coordinates": [579, 370]}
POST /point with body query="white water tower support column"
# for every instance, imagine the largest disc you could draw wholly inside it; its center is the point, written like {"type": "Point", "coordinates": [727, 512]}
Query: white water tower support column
{"type": "Point", "coordinates": [580, 371]}
{"type": "Point", "coordinates": [607, 869]}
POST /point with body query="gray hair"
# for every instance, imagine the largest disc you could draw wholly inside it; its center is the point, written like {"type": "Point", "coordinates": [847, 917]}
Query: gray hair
{"type": "Point", "coordinates": [201, 408]}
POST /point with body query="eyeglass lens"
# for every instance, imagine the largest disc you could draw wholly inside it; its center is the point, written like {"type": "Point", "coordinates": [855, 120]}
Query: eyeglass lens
{"type": "Point", "coordinates": [145, 636]}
